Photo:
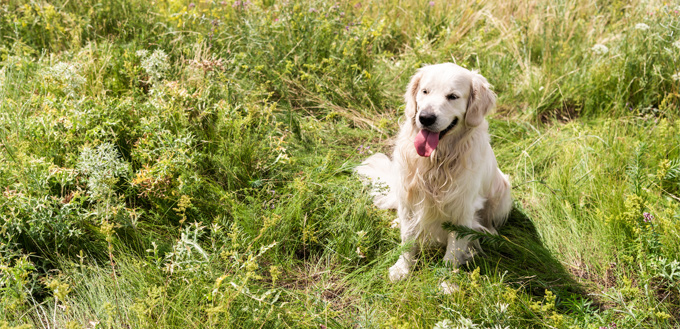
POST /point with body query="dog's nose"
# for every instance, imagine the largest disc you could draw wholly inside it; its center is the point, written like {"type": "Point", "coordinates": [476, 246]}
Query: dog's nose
{"type": "Point", "coordinates": [427, 119]}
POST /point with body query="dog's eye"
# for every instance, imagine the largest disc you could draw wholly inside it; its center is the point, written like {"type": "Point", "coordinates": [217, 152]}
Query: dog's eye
{"type": "Point", "coordinates": [451, 97]}
{"type": "Point", "coordinates": [425, 91]}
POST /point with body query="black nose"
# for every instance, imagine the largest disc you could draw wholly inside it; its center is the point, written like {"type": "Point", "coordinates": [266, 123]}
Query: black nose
{"type": "Point", "coordinates": [427, 119]}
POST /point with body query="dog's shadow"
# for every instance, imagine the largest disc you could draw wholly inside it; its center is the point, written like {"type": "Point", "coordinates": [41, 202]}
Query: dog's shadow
{"type": "Point", "coordinates": [518, 253]}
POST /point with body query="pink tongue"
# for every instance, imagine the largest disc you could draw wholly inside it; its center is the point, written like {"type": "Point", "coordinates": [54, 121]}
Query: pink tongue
{"type": "Point", "coordinates": [426, 141]}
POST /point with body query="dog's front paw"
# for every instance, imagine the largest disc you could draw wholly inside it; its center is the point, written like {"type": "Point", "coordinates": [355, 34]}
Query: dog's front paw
{"type": "Point", "coordinates": [399, 271]}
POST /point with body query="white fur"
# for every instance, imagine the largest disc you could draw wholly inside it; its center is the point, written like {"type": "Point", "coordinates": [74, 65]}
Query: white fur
{"type": "Point", "coordinates": [458, 183]}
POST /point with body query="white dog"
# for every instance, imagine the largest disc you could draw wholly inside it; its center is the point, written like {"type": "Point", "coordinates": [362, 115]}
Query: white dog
{"type": "Point", "coordinates": [442, 168]}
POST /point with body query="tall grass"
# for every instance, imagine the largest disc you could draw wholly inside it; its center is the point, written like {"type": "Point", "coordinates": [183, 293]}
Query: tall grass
{"type": "Point", "coordinates": [189, 164]}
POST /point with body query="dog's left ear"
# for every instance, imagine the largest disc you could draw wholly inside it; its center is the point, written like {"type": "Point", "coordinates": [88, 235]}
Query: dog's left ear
{"type": "Point", "coordinates": [481, 101]}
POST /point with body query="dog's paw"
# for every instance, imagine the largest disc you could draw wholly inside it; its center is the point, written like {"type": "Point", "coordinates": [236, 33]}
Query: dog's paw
{"type": "Point", "coordinates": [399, 271]}
{"type": "Point", "coordinates": [454, 260]}
{"type": "Point", "coordinates": [459, 255]}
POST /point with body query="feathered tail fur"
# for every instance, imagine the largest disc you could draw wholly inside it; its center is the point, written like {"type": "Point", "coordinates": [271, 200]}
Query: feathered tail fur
{"type": "Point", "coordinates": [378, 171]}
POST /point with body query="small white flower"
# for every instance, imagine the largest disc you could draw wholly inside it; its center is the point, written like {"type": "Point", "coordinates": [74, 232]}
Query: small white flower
{"type": "Point", "coordinates": [600, 49]}
{"type": "Point", "coordinates": [466, 323]}
{"type": "Point", "coordinates": [502, 307]}
{"type": "Point", "coordinates": [447, 288]}
{"type": "Point", "coordinates": [142, 53]}
{"type": "Point", "coordinates": [641, 26]}
{"type": "Point", "coordinates": [361, 234]}
{"type": "Point", "coordinates": [444, 324]}
{"type": "Point", "coordinates": [676, 76]}
{"type": "Point", "coordinates": [102, 166]}
{"type": "Point", "coordinates": [676, 44]}
{"type": "Point", "coordinates": [66, 75]}
{"type": "Point", "coordinates": [155, 64]}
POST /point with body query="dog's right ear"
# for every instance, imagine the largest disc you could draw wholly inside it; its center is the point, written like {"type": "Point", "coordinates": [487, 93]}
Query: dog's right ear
{"type": "Point", "coordinates": [411, 93]}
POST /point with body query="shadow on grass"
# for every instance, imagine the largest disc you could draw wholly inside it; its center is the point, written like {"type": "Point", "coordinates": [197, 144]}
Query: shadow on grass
{"type": "Point", "coordinates": [519, 253]}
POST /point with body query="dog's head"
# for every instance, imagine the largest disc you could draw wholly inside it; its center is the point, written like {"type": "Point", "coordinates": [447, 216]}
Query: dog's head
{"type": "Point", "coordinates": [444, 98]}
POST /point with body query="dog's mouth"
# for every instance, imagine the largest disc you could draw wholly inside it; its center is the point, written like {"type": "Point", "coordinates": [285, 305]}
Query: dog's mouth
{"type": "Point", "coordinates": [426, 141]}
{"type": "Point", "coordinates": [447, 129]}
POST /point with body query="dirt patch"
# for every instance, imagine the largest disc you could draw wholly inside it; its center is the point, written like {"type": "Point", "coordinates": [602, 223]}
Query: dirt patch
{"type": "Point", "coordinates": [582, 271]}
{"type": "Point", "coordinates": [506, 112]}
{"type": "Point", "coordinates": [323, 284]}
{"type": "Point", "coordinates": [568, 112]}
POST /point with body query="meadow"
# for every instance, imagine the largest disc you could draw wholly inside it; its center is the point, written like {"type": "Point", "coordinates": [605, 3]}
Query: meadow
{"type": "Point", "coordinates": [179, 164]}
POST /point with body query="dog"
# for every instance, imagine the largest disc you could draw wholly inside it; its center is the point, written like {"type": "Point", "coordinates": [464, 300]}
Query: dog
{"type": "Point", "coordinates": [443, 168]}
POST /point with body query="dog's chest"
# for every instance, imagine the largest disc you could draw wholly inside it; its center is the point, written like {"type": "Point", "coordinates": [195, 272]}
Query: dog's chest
{"type": "Point", "coordinates": [444, 190]}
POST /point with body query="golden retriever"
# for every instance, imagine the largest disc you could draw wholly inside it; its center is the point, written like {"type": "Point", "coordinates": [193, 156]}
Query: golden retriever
{"type": "Point", "coordinates": [443, 168]}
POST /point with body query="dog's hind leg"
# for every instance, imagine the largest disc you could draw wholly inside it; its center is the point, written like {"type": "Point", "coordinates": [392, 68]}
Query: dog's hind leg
{"type": "Point", "coordinates": [458, 250]}
{"type": "Point", "coordinates": [498, 204]}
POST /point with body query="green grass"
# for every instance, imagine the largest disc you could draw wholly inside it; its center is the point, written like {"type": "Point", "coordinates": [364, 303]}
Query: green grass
{"type": "Point", "coordinates": [181, 164]}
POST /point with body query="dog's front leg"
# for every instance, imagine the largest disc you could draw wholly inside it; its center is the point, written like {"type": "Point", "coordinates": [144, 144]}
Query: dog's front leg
{"type": "Point", "coordinates": [457, 250]}
{"type": "Point", "coordinates": [402, 267]}
{"type": "Point", "coordinates": [409, 235]}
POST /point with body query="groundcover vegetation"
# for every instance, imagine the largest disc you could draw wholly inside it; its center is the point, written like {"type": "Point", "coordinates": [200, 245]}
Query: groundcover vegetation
{"type": "Point", "coordinates": [177, 164]}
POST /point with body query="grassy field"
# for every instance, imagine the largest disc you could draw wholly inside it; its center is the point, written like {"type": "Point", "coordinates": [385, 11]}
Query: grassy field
{"type": "Point", "coordinates": [177, 164]}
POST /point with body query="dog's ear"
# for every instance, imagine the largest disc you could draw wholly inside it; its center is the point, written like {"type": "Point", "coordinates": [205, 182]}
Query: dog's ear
{"type": "Point", "coordinates": [411, 93]}
{"type": "Point", "coordinates": [481, 101]}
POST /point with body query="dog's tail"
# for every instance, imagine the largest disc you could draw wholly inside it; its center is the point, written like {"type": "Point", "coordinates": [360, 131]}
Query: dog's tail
{"type": "Point", "coordinates": [378, 171]}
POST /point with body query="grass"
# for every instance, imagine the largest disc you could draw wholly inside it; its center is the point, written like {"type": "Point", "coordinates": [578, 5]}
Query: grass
{"type": "Point", "coordinates": [189, 164]}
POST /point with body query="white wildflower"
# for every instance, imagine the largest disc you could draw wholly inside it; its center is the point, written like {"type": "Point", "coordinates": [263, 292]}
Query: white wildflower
{"type": "Point", "coordinates": [466, 323]}
{"type": "Point", "coordinates": [641, 26]}
{"type": "Point", "coordinates": [156, 97]}
{"type": "Point", "coordinates": [155, 64]}
{"type": "Point", "coordinates": [102, 166]}
{"type": "Point", "coordinates": [463, 323]}
{"type": "Point", "coordinates": [676, 44]}
{"type": "Point", "coordinates": [66, 75]}
{"type": "Point", "coordinates": [187, 254]}
{"type": "Point", "coordinates": [444, 324]}
{"type": "Point", "coordinates": [676, 76]}
{"type": "Point", "coordinates": [600, 49]}
{"type": "Point", "coordinates": [448, 288]}
{"type": "Point", "coordinates": [142, 53]}
{"type": "Point", "coordinates": [502, 307]}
